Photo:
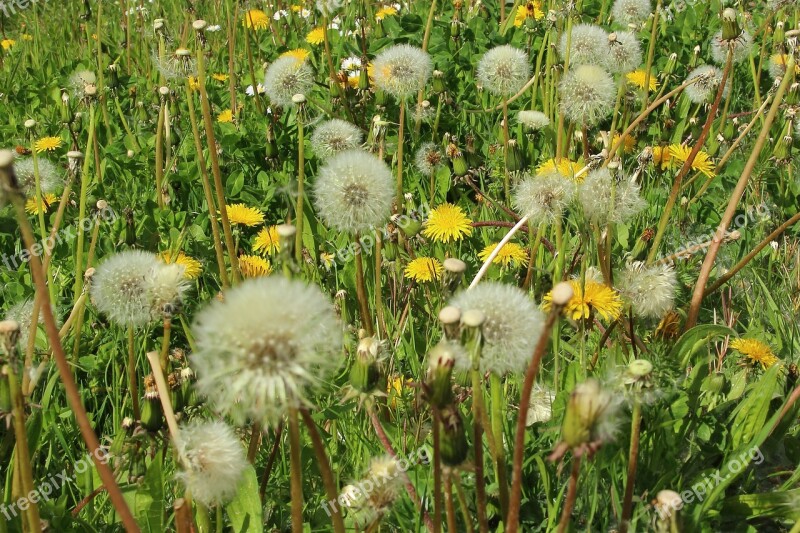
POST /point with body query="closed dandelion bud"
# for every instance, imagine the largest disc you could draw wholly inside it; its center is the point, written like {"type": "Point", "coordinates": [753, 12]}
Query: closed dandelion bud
{"type": "Point", "coordinates": [455, 29]}
{"type": "Point", "coordinates": [472, 321]}
{"type": "Point", "coordinates": [730, 26]}
{"type": "Point", "coordinates": [389, 251]}
{"type": "Point", "coordinates": [586, 408]}
{"type": "Point", "coordinates": [378, 30]}
{"type": "Point", "coordinates": [781, 150]}
{"type": "Point", "coordinates": [286, 233]}
{"type": "Point", "coordinates": [363, 80]}
{"type": "Point", "coordinates": [364, 373]}
{"type": "Point", "coordinates": [409, 225]}
{"type": "Point", "coordinates": [453, 274]}
{"type": "Point", "coordinates": [514, 158]}
{"type": "Point", "coordinates": [152, 415]}
{"type": "Point", "coordinates": [715, 383]}
{"type": "Point", "coordinates": [334, 89]}
{"type": "Point", "coordinates": [113, 77]}
{"type": "Point", "coordinates": [672, 62]}
{"type": "Point", "coordinates": [779, 34]}
{"type": "Point", "coordinates": [188, 392]}
{"type": "Point", "coordinates": [460, 167]}
{"type": "Point", "coordinates": [440, 367]}
{"type": "Point", "coordinates": [380, 97]}
{"type": "Point", "coordinates": [175, 392]}
{"type": "Point", "coordinates": [438, 82]}
{"type": "Point", "coordinates": [453, 445]}
{"type": "Point", "coordinates": [5, 391]}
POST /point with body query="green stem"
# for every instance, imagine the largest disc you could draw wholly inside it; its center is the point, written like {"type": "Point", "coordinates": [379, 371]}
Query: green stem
{"type": "Point", "coordinates": [82, 206]}
{"type": "Point", "coordinates": [301, 178]}
{"type": "Point", "coordinates": [633, 453]}
{"type": "Point", "coordinates": [296, 480]}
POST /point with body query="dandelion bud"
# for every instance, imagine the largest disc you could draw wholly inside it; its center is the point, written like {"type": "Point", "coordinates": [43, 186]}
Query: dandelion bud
{"type": "Point", "coordinates": [453, 440]}
{"type": "Point", "coordinates": [472, 320]}
{"type": "Point", "coordinates": [715, 383]}
{"type": "Point", "coordinates": [199, 25]}
{"type": "Point", "coordinates": [9, 335]}
{"type": "Point", "coordinates": [6, 403]}
{"type": "Point", "coordinates": [364, 373]}
{"type": "Point", "coordinates": [455, 29]}
{"type": "Point", "coordinates": [438, 85]}
{"type": "Point", "coordinates": [450, 317]}
{"type": "Point", "coordinates": [586, 421]}
{"type": "Point", "coordinates": [672, 62]}
{"type": "Point", "coordinates": [441, 360]}
{"type": "Point", "coordinates": [460, 167]}
{"type": "Point", "coordinates": [514, 158]}
{"type": "Point", "coordinates": [730, 26]}
{"type": "Point", "coordinates": [453, 273]}
{"type": "Point", "coordinates": [152, 415]}
{"type": "Point", "coordinates": [74, 161]}
{"type": "Point", "coordinates": [363, 80]}
{"type": "Point", "coordinates": [779, 34]}
{"type": "Point", "coordinates": [113, 76]}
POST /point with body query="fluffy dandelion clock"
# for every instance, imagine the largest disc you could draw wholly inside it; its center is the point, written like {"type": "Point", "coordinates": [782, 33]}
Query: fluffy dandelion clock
{"type": "Point", "coordinates": [503, 70]}
{"type": "Point", "coordinates": [265, 347]}
{"type": "Point", "coordinates": [533, 120]}
{"type": "Point", "coordinates": [120, 287]}
{"type": "Point", "coordinates": [742, 46]}
{"type": "Point", "coordinates": [631, 11]}
{"type": "Point", "coordinates": [604, 200]}
{"type": "Point", "coordinates": [166, 288]}
{"type": "Point", "coordinates": [587, 94]}
{"type": "Point", "coordinates": [650, 290]}
{"type": "Point", "coordinates": [705, 89]}
{"type": "Point", "coordinates": [512, 327]}
{"type": "Point", "coordinates": [541, 405]}
{"type": "Point", "coordinates": [49, 175]}
{"type": "Point", "coordinates": [22, 313]}
{"type": "Point", "coordinates": [286, 77]}
{"type": "Point", "coordinates": [588, 45]}
{"type": "Point", "coordinates": [327, 7]}
{"type": "Point", "coordinates": [624, 53]}
{"type": "Point", "coordinates": [354, 191]}
{"type": "Point", "coordinates": [428, 158]}
{"type": "Point", "coordinates": [543, 198]}
{"type": "Point", "coordinates": [214, 462]}
{"type": "Point", "coordinates": [334, 136]}
{"type": "Point", "coordinates": [402, 70]}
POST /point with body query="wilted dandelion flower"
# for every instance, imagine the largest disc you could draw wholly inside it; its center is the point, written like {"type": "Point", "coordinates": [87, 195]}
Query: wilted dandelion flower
{"type": "Point", "coordinates": [267, 241]}
{"type": "Point", "coordinates": [213, 462]}
{"type": "Point", "coordinates": [755, 351]}
{"type": "Point", "coordinates": [447, 222]}
{"type": "Point", "coordinates": [316, 36]}
{"type": "Point", "coordinates": [588, 45]}
{"type": "Point", "coordinates": [649, 289]}
{"type": "Point", "coordinates": [178, 65]}
{"type": "Point", "coordinates": [47, 144]}
{"type": "Point", "coordinates": [33, 207]}
{"type": "Point", "coordinates": [741, 47]}
{"type": "Point", "coordinates": [191, 266]}
{"type": "Point", "coordinates": [588, 94]}
{"type": "Point", "coordinates": [510, 255]}
{"type": "Point", "coordinates": [244, 215]}
{"type": "Point", "coordinates": [253, 266]}
{"type": "Point", "coordinates": [533, 120]}
{"type": "Point", "coordinates": [606, 200]}
{"type": "Point", "coordinates": [503, 70]}
{"type": "Point", "coordinates": [597, 297]}
{"type": "Point", "coordinates": [334, 136]}
{"type": "Point", "coordinates": [354, 191]}
{"type": "Point", "coordinates": [49, 175]}
{"type": "Point", "coordinates": [402, 70]}
{"type": "Point", "coordinates": [428, 158]}
{"type": "Point", "coordinates": [424, 269]}
{"type": "Point", "coordinates": [166, 287]}
{"type": "Point", "coordinates": [637, 78]}
{"type": "Point", "coordinates": [286, 77]}
{"type": "Point", "coordinates": [512, 327]}
{"type": "Point", "coordinates": [256, 19]}
{"type": "Point", "coordinates": [543, 198]}
{"type": "Point", "coordinates": [264, 347]}
{"type": "Point", "coordinates": [631, 11]}
{"type": "Point", "coordinates": [120, 287]}
{"type": "Point", "coordinates": [541, 405]}
{"type": "Point", "coordinates": [624, 53]}
{"type": "Point", "coordinates": [589, 420]}
{"type": "Point", "coordinates": [705, 90]}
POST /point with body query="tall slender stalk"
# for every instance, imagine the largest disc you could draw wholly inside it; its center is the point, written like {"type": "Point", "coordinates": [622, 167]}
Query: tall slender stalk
{"type": "Point", "coordinates": [133, 382]}
{"type": "Point", "coordinates": [22, 450]}
{"type": "Point", "coordinates": [361, 292]}
{"type": "Point", "coordinates": [324, 466]}
{"type": "Point", "coordinates": [572, 492]}
{"type": "Point", "coordinates": [296, 479]}
{"type": "Point", "coordinates": [82, 207]}
{"type": "Point", "coordinates": [437, 471]}
{"type": "Point", "coordinates": [498, 414]}
{"type": "Point", "coordinates": [633, 456]}
{"type": "Point", "coordinates": [301, 179]}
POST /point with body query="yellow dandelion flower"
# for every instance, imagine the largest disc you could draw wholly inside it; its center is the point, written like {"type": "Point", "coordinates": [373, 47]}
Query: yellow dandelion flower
{"type": "Point", "coordinates": [296, 8]}
{"type": "Point", "coordinates": [564, 166]}
{"type": "Point", "coordinates": [220, 77]}
{"type": "Point", "coordinates": [511, 254]}
{"type": "Point", "coordinates": [316, 36]}
{"type": "Point", "coordinates": [702, 162]}
{"type": "Point", "coordinates": [225, 116]}
{"type": "Point", "coordinates": [267, 241]}
{"type": "Point", "coordinates": [352, 82]}
{"type": "Point", "coordinates": [47, 144]}
{"type": "Point", "coordinates": [756, 351]}
{"type": "Point", "coordinates": [256, 19]}
{"type": "Point", "coordinates": [637, 78]}
{"type": "Point", "coordinates": [662, 157]}
{"type": "Point", "coordinates": [7, 43]}
{"type": "Point", "coordinates": [191, 266]}
{"type": "Point", "coordinates": [628, 144]}
{"type": "Point", "coordinates": [385, 11]}
{"type": "Point", "coordinates": [529, 10]}
{"type": "Point", "coordinates": [300, 54]}
{"type": "Point", "coordinates": [26, 37]}
{"type": "Point", "coordinates": [394, 389]}
{"type": "Point", "coordinates": [33, 208]}
{"type": "Point", "coordinates": [194, 83]}
{"type": "Point", "coordinates": [447, 222]}
{"type": "Point", "coordinates": [252, 266]}
{"type": "Point", "coordinates": [244, 215]}
{"type": "Point", "coordinates": [424, 269]}
{"type": "Point", "coordinates": [597, 297]}
{"type": "Point", "coordinates": [780, 60]}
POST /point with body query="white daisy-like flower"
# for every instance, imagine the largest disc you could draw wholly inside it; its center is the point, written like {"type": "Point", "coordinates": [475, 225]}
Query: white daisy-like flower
{"type": "Point", "coordinates": [512, 327]}
{"type": "Point", "coordinates": [265, 347]}
{"type": "Point", "coordinates": [250, 91]}
{"type": "Point", "coordinates": [354, 191]}
{"type": "Point", "coordinates": [351, 64]}
{"type": "Point", "coordinates": [650, 290]}
{"type": "Point", "coordinates": [214, 462]}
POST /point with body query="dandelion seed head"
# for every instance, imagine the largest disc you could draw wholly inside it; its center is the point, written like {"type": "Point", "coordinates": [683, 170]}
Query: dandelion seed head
{"type": "Point", "coordinates": [22, 313]}
{"type": "Point", "coordinates": [265, 347]}
{"type": "Point", "coordinates": [327, 7]}
{"type": "Point", "coordinates": [588, 94]}
{"type": "Point", "coordinates": [503, 70]}
{"type": "Point", "coordinates": [402, 70]}
{"type": "Point", "coordinates": [214, 462]}
{"type": "Point", "coordinates": [166, 288]}
{"type": "Point", "coordinates": [705, 90]}
{"type": "Point", "coordinates": [545, 197]}
{"type": "Point", "coordinates": [428, 158]}
{"type": "Point", "coordinates": [334, 136]}
{"type": "Point", "coordinates": [286, 77]}
{"type": "Point", "coordinates": [49, 175]}
{"type": "Point", "coordinates": [512, 326]}
{"type": "Point", "coordinates": [624, 53]}
{"type": "Point", "coordinates": [588, 45]}
{"type": "Point", "coordinates": [354, 191]}
{"type": "Point", "coordinates": [742, 46]}
{"type": "Point", "coordinates": [604, 200]}
{"type": "Point", "coordinates": [120, 287]}
{"type": "Point", "coordinates": [533, 120]}
{"type": "Point", "coordinates": [648, 289]}
{"type": "Point", "coordinates": [631, 11]}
